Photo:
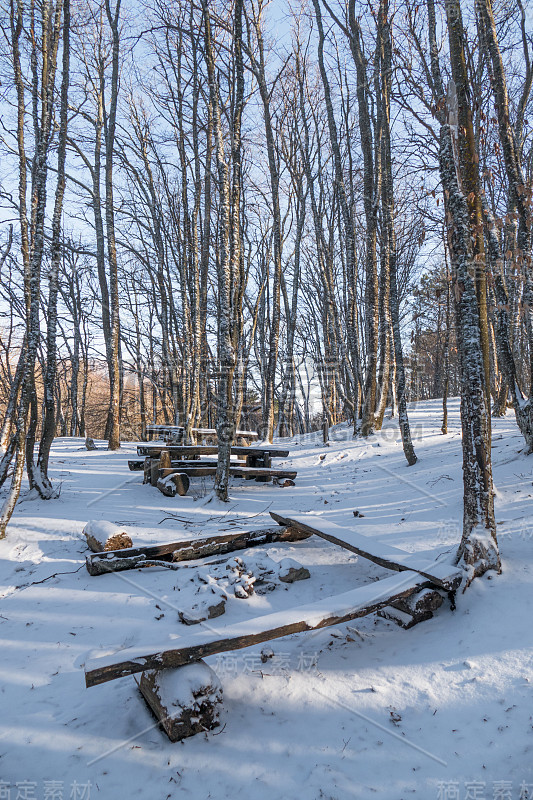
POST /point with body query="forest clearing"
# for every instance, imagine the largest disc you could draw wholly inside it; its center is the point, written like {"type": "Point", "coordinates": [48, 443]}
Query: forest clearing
{"type": "Point", "coordinates": [306, 719]}
{"type": "Point", "coordinates": [266, 399]}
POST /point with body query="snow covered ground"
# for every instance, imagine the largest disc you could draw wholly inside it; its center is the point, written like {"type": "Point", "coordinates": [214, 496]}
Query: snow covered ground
{"type": "Point", "coordinates": [442, 711]}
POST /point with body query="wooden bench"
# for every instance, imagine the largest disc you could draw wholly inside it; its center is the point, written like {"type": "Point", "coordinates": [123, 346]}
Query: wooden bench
{"type": "Point", "coordinates": [236, 470]}
{"type": "Point", "coordinates": [410, 593]}
{"type": "Point", "coordinates": [324, 612]}
{"type": "Point", "coordinates": [163, 461]}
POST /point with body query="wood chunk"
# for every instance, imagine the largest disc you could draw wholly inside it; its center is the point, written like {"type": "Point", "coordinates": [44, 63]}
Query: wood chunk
{"type": "Point", "coordinates": [175, 483]}
{"type": "Point", "coordinates": [421, 605]}
{"type": "Point", "coordinates": [134, 465]}
{"type": "Point", "coordinates": [119, 541]}
{"type": "Point", "coordinates": [401, 618]}
{"type": "Point", "coordinates": [184, 700]}
{"type": "Point", "coordinates": [98, 532]}
{"type": "Point", "coordinates": [164, 460]}
{"type": "Point", "coordinates": [291, 571]}
{"type": "Point", "coordinates": [409, 611]}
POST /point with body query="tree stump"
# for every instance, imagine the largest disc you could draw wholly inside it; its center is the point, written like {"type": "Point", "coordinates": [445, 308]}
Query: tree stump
{"type": "Point", "coordinates": [177, 483]}
{"type": "Point", "coordinates": [184, 700]}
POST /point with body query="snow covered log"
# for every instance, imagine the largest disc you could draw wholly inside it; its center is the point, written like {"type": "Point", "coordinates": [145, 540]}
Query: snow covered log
{"type": "Point", "coordinates": [184, 700]}
{"type": "Point", "coordinates": [412, 610]}
{"type": "Point", "coordinates": [188, 550]}
{"type": "Point", "coordinates": [176, 483]}
{"type": "Point", "coordinates": [102, 535]}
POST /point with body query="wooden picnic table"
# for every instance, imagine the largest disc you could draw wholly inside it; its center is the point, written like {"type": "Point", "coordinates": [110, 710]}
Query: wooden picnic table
{"type": "Point", "coordinates": [163, 461]}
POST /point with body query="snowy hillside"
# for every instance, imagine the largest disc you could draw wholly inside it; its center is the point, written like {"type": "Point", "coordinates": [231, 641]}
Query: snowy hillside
{"type": "Point", "coordinates": [363, 710]}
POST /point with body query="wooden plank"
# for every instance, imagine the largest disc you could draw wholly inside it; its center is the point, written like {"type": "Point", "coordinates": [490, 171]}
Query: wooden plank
{"type": "Point", "coordinates": [328, 611]}
{"type": "Point", "coordinates": [191, 469]}
{"type": "Point", "coordinates": [137, 465]}
{"type": "Point", "coordinates": [442, 574]}
{"type": "Point", "coordinates": [177, 451]}
{"type": "Point", "coordinates": [204, 462]}
{"type": "Point", "coordinates": [189, 550]}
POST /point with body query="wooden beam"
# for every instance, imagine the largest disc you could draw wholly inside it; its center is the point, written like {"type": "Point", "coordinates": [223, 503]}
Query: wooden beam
{"type": "Point", "coordinates": [135, 557]}
{"type": "Point", "coordinates": [237, 471]}
{"type": "Point", "coordinates": [192, 647]}
{"type": "Point", "coordinates": [177, 451]}
{"type": "Point", "coordinates": [442, 574]}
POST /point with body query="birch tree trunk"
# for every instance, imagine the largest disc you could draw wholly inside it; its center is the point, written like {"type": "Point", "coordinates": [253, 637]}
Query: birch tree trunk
{"type": "Point", "coordinates": [110, 128]}
{"type": "Point", "coordinates": [519, 199]}
{"type": "Point", "coordinates": [39, 476]}
{"type": "Point", "coordinates": [387, 191]}
{"type": "Point", "coordinates": [226, 355]}
{"type": "Point", "coordinates": [478, 550]}
{"type": "Point", "coordinates": [43, 48]}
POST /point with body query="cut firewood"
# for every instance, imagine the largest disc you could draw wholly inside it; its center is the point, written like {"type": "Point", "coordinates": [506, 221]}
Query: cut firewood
{"type": "Point", "coordinates": [409, 611]}
{"type": "Point", "coordinates": [184, 700]}
{"type": "Point", "coordinates": [98, 533]}
{"type": "Point", "coordinates": [175, 483]}
{"type": "Point", "coordinates": [327, 611]}
{"type": "Point", "coordinates": [135, 557]}
{"type": "Point", "coordinates": [164, 459]}
{"type": "Point", "coordinates": [119, 541]}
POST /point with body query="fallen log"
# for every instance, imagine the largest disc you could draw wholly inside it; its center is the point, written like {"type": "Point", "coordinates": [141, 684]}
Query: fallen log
{"type": "Point", "coordinates": [135, 557]}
